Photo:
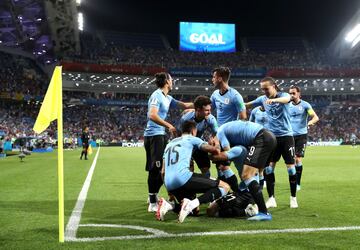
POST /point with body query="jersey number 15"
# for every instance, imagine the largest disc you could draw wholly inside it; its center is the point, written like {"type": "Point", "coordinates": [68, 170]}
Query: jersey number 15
{"type": "Point", "coordinates": [172, 153]}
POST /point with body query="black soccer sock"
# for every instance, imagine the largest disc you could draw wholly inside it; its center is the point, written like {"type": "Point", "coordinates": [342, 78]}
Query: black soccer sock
{"type": "Point", "coordinates": [257, 195]}
{"type": "Point", "coordinates": [233, 182]}
{"type": "Point", "coordinates": [154, 183]}
{"type": "Point", "coordinates": [85, 154]}
{"type": "Point", "coordinates": [292, 181]}
{"type": "Point", "coordinates": [82, 153]}
{"type": "Point", "coordinates": [261, 181]}
{"type": "Point", "coordinates": [231, 179]}
{"type": "Point", "coordinates": [210, 195]}
{"type": "Point", "coordinates": [299, 170]}
{"type": "Point", "coordinates": [270, 183]}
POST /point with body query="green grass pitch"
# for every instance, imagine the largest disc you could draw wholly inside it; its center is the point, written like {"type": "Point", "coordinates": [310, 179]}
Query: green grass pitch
{"type": "Point", "coordinates": [118, 192]}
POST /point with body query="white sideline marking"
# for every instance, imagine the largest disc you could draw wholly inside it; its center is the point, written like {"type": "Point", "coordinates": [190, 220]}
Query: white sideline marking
{"type": "Point", "coordinates": [161, 234]}
{"type": "Point", "coordinates": [74, 221]}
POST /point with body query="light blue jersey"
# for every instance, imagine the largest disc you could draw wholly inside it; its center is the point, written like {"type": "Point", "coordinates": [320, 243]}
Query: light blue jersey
{"type": "Point", "coordinates": [258, 116]}
{"type": "Point", "coordinates": [237, 133]}
{"type": "Point", "coordinates": [162, 103]}
{"type": "Point", "coordinates": [177, 156]}
{"type": "Point", "coordinates": [209, 124]}
{"type": "Point", "coordinates": [227, 105]}
{"type": "Point", "coordinates": [277, 113]}
{"type": "Point", "coordinates": [299, 114]}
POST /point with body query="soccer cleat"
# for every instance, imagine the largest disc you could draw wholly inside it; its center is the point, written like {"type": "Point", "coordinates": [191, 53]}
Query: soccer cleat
{"type": "Point", "coordinates": [271, 202]}
{"type": "Point", "coordinates": [298, 187]}
{"type": "Point", "coordinates": [251, 210]}
{"type": "Point", "coordinates": [163, 208]}
{"type": "Point", "coordinates": [185, 210]}
{"type": "Point", "coordinates": [260, 217]}
{"type": "Point", "coordinates": [153, 207]}
{"type": "Point", "coordinates": [293, 202]}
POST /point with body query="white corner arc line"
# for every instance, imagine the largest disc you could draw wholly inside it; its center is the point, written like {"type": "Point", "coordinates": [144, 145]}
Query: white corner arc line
{"type": "Point", "coordinates": [242, 232]}
{"type": "Point", "coordinates": [147, 229]}
{"type": "Point", "coordinates": [74, 221]}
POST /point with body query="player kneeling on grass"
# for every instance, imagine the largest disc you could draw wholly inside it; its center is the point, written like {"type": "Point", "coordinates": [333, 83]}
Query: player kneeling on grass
{"type": "Point", "coordinates": [183, 183]}
{"type": "Point", "coordinates": [239, 204]}
{"type": "Point", "coordinates": [235, 135]}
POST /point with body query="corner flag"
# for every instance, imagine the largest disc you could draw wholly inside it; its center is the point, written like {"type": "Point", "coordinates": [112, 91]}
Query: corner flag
{"type": "Point", "coordinates": [51, 109]}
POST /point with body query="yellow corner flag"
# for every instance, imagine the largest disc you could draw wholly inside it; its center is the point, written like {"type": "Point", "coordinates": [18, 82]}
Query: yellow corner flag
{"type": "Point", "coordinates": [51, 109]}
{"type": "Point", "coordinates": [89, 150]}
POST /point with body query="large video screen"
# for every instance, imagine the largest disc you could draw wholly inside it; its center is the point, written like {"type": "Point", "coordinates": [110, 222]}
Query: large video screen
{"type": "Point", "coordinates": [207, 37]}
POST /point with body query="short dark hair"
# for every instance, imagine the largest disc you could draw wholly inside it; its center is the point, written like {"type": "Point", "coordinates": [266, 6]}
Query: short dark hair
{"type": "Point", "coordinates": [223, 72]}
{"type": "Point", "coordinates": [201, 101]}
{"type": "Point", "coordinates": [160, 79]}
{"type": "Point", "coordinates": [188, 126]}
{"type": "Point", "coordinates": [271, 80]}
{"type": "Point", "coordinates": [295, 87]}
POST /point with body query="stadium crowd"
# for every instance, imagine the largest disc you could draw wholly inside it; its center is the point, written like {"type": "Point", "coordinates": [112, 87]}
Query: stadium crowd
{"type": "Point", "coordinates": [112, 54]}
{"type": "Point", "coordinates": [21, 81]}
{"type": "Point", "coordinates": [126, 123]}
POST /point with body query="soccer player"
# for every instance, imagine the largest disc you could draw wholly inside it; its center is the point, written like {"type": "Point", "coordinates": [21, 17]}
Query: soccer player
{"type": "Point", "coordinates": [183, 183]}
{"type": "Point", "coordinates": [258, 115]}
{"type": "Point", "coordinates": [300, 110]}
{"type": "Point", "coordinates": [237, 204]}
{"type": "Point", "coordinates": [233, 137]}
{"type": "Point", "coordinates": [206, 126]}
{"type": "Point", "coordinates": [353, 139]}
{"type": "Point", "coordinates": [155, 136]}
{"type": "Point", "coordinates": [85, 137]}
{"type": "Point", "coordinates": [276, 105]}
{"type": "Point", "coordinates": [229, 106]}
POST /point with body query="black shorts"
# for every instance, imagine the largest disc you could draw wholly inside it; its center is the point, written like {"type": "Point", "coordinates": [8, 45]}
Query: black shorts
{"type": "Point", "coordinates": [201, 158]}
{"type": "Point", "coordinates": [260, 152]}
{"type": "Point", "coordinates": [300, 145]}
{"type": "Point", "coordinates": [198, 183]}
{"type": "Point", "coordinates": [234, 204]}
{"type": "Point", "coordinates": [85, 146]}
{"type": "Point", "coordinates": [154, 147]}
{"type": "Point", "coordinates": [286, 148]}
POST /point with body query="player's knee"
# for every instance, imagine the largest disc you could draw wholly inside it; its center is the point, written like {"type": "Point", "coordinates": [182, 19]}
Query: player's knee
{"type": "Point", "coordinates": [225, 186]}
{"type": "Point", "coordinates": [291, 170]}
{"type": "Point", "coordinates": [248, 172]}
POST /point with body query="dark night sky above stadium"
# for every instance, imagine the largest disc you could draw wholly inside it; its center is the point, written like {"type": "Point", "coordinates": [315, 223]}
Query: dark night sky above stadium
{"type": "Point", "coordinates": [318, 20]}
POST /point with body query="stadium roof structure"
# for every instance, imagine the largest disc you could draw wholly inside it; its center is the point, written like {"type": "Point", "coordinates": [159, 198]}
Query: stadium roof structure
{"type": "Point", "coordinates": [76, 81]}
{"type": "Point", "coordinates": [23, 25]}
{"type": "Point", "coordinates": [347, 44]}
{"type": "Point", "coordinates": [40, 27]}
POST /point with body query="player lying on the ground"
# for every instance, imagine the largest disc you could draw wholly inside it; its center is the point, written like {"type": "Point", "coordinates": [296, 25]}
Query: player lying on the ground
{"type": "Point", "coordinates": [233, 137]}
{"type": "Point", "coordinates": [183, 183]}
{"type": "Point", "coordinates": [237, 204]}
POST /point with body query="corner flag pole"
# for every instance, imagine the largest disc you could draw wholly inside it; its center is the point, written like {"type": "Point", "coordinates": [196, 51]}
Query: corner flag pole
{"type": "Point", "coordinates": [60, 162]}
{"type": "Point", "coordinates": [52, 109]}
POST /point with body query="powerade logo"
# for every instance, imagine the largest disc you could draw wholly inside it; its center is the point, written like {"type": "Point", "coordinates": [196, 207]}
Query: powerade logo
{"type": "Point", "coordinates": [207, 37]}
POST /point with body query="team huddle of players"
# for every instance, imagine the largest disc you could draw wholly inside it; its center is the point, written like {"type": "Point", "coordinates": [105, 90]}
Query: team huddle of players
{"type": "Point", "coordinates": [277, 127]}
